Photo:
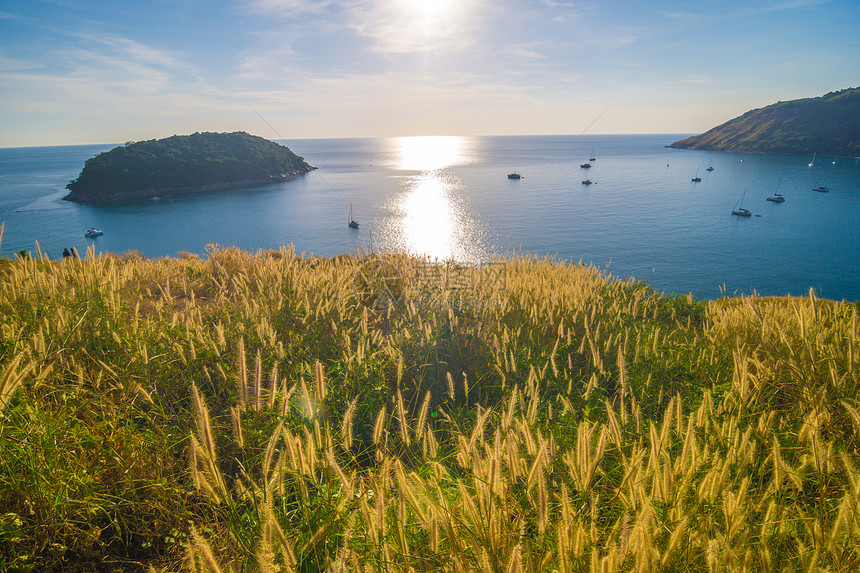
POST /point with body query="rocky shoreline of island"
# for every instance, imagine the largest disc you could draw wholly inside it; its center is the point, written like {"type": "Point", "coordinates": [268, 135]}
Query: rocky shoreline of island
{"type": "Point", "coordinates": [183, 165]}
{"type": "Point", "coordinates": [173, 192]}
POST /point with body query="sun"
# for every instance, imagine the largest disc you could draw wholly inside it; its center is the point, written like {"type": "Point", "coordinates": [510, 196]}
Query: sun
{"type": "Point", "coordinates": [425, 25]}
{"type": "Point", "coordinates": [428, 10]}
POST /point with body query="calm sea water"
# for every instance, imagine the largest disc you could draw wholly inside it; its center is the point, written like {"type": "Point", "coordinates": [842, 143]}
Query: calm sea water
{"type": "Point", "coordinates": [450, 198]}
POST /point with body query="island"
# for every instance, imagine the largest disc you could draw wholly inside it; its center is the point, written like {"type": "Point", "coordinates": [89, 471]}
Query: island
{"type": "Point", "coordinates": [828, 125]}
{"type": "Point", "coordinates": [183, 165]}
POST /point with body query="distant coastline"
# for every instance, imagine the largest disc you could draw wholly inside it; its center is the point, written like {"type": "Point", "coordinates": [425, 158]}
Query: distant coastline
{"type": "Point", "coordinates": [827, 125]}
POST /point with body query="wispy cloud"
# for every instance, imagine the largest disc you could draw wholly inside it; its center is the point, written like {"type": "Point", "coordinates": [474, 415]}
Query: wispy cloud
{"type": "Point", "coordinates": [287, 8]}
{"type": "Point", "coordinates": [395, 28]}
{"type": "Point", "coordinates": [392, 26]}
{"type": "Point", "coordinates": [14, 17]}
{"type": "Point", "coordinates": [791, 5]}
{"type": "Point", "coordinates": [530, 51]}
{"type": "Point", "coordinates": [132, 51]}
{"type": "Point", "coordinates": [724, 12]}
{"type": "Point", "coordinates": [16, 64]}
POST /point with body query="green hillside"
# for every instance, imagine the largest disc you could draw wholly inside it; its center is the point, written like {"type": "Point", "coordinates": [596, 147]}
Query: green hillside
{"type": "Point", "coordinates": [827, 125]}
{"type": "Point", "coordinates": [183, 164]}
{"type": "Point", "coordinates": [271, 412]}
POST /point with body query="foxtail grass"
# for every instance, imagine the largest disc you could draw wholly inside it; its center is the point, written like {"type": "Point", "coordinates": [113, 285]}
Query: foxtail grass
{"type": "Point", "coordinates": [271, 411]}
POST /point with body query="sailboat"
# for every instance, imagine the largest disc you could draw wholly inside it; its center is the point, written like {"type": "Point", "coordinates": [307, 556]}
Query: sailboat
{"type": "Point", "coordinates": [696, 179]}
{"type": "Point", "coordinates": [353, 224]}
{"type": "Point", "coordinates": [710, 167]}
{"type": "Point", "coordinates": [592, 158]}
{"type": "Point", "coordinates": [812, 163]}
{"type": "Point", "coordinates": [819, 188]}
{"type": "Point", "coordinates": [777, 197]}
{"type": "Point", "coordinates": [739, 209]}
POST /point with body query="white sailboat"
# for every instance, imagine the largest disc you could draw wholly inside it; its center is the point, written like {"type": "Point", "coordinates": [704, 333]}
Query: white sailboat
{"type": "Point", "coordinates": [353, 224]}
{"type": "Point", "coordinates": [592, 158]}
{"type": "Point", "coordinates": [777, 197]}
{"type": "Point", "coordinates": [739, 207]}
{"type": "Point", "coordinates": [819, 186]}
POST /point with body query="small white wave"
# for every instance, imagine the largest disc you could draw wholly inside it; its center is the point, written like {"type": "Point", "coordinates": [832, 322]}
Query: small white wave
{"type": "Point", "coordinates": [52, 202]}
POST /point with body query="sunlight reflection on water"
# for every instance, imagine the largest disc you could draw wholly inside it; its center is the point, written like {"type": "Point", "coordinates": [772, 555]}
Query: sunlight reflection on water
{"type": "Point", "coordinates": [430, 215]}
{"type": "Point", "coordinates": [429, 152]}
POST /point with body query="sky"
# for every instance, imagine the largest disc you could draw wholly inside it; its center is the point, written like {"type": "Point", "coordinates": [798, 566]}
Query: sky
{"type": "Point", "coordinates": [112, 71]}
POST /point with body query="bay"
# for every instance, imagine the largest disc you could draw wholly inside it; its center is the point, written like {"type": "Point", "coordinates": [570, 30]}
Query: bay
{"type": "Point", "coordinates": [449, 198]}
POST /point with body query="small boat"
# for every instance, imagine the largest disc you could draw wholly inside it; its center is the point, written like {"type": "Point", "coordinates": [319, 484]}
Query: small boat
{"type": "Point", "coordinates": [514, 176]}
{"type": "Point", "coordinates": [739, 209]}
{"type": "Point", "coordinates": [592, 158]}
{"type": "Point", "coordinates": [812, 163]}
{"type": "Point", "coordinates": [710, 167]}
{"type": "Point", "coordinates": [696, 179]}
{"type": "Point", "coordinates": [587, 182]}
{"type": "Point", "coordinates": [777, 197]}
{"type": "Point", "coordinates": [353, 224]}
{"type": "Point", "coordinates": [93, 232]}
{"type": "Point", "coordinates": [585, 165]}
{"type": "Point", "coordinates": [819, 188]}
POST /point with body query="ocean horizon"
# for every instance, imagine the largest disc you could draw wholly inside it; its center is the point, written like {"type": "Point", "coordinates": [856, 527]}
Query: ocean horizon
{"type": "Point", "coordinates": [449, 198]}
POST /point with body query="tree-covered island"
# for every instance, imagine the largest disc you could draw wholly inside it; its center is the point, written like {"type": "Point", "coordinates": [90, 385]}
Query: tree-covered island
{"type": "Point", "coordinates": [183, 165]}
{"type": "Point", "coordinates": [827, 125]}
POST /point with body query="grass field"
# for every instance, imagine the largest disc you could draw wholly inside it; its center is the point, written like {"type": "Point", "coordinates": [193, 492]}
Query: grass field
{"type": "Point", "coordinates": [269, 412]}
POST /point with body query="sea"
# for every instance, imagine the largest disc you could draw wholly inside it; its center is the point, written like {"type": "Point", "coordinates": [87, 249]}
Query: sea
{"type": "Point", "coordinates": [449, 199]}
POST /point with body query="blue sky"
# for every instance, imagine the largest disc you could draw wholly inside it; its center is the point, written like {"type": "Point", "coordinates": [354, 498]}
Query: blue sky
{"type": "Point", "coordinates": [76, 71]}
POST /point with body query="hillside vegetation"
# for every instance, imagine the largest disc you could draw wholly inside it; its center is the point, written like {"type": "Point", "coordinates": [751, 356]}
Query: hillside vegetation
{"type": "Point", "coordinates": [265, 411]}
{"type": "Point", "coordinates": [827, 125]}
{"type": "Point", "coordinates": [182, 163]}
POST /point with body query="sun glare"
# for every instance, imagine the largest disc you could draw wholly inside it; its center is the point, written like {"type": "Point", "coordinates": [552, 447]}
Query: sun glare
{"type": "Point", "coordinates": [424, 25]}
{"type": "Point", "coordinates": [429, 152]}
{"type": "Point", "coordinates": [428, 9]}
{"type": "Point", "coordinates": [429, 218]}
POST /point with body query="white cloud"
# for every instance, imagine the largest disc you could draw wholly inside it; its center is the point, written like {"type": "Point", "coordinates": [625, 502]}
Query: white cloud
{"type": "Point", "coordinates": [133, 51]}
{"type": "Point", "coordinates": [392, 26]}
{"type": "Point", "coordinates": [16, 64]}
{"type": "Point", "coordinates": [287, 8]}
